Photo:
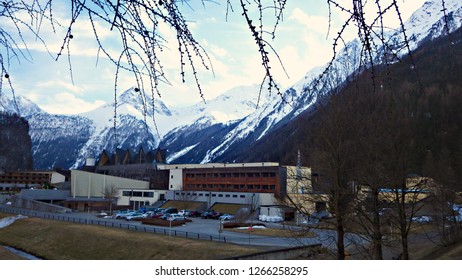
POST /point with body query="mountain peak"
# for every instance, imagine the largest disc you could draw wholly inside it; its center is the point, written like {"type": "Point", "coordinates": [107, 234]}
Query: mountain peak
{"type": "Point", "coordinates": [143, 102]}
{"type": "Point", "coordinates": [19, 105]}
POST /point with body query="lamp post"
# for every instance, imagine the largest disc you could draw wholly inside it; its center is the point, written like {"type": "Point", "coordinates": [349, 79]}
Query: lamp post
{"type": "Point", "coordinates": [220, 229]}
{"type": "Point", "coordinates": [88, 212]}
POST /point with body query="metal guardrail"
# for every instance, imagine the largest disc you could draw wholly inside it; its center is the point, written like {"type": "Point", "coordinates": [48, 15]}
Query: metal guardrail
{"type": "Point", "coordinates": [112, 224]}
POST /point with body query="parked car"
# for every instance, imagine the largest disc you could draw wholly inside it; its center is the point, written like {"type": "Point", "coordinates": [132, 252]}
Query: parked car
{"type": "Point", "coordinates": [422, 219]}
{"type": "Point", "coordinates": [185, 213]}
{"type": "Point", "coordinates": [123, 214]}
{"type": "Point", "coordinates": [176, 217]}
{"type": "Point", "coordinates": [102, 214]}
{"type": "Point", "coordinates": [211, 215]}
{"type": "Point", "coordinates": [226, 217]}
{"type": "Point", "coordinates": [170, 210]}
{"type": "Point", "coordinates": [157, 215]}
{"type": "Point", "coordinates": [195, 213]}
{"type": "Point", "coordinates": [135, 216]}
{"type": "Point", "coordinates": [165, 216]}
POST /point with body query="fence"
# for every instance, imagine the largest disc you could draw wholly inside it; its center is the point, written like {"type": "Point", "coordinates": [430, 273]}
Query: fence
{"type": "Point", "coordinates": [114, 224]}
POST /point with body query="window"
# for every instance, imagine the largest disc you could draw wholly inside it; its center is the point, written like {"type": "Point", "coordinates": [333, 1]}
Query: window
{"type": "Point", "coordinates": [138, 194]}
{"type": "Point", "coordinates": [250, 187]}
{"type": "Point", "coordinates": [242, 196]}
{"type": "Point", "coordinates": [265, 187]}
{"type": "Point", "coordinates": [214, 195]}
{"type": "Point", "coordinates": [126, 193]}
{"type": "Point", "coordinates": [272, 187]}
{"type": "Point", "coordinates": [149, 194]}
{"type": "Point", "coordinates": [220, 195]}
{"type": "Point", "coordinates": [234, 195]}
{"type": "Point", "coordinates": [171, 176]}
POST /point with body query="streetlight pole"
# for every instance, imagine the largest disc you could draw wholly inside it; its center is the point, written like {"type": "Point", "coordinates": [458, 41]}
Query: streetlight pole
{"type": "Point", "coordinates": [88, 213]}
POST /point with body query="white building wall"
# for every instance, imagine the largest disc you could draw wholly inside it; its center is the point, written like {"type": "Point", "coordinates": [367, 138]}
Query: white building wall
{"type": "Point", "coordinates": [57, 178]}
{"type": "Point", "coordinates": [87, 184]}
{"type": "Point", "coordinates": [148, 197]}
{"type": "Point", "coordinates": [175, 181]}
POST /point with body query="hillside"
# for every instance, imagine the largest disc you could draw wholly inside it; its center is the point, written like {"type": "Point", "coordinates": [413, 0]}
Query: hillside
{"type": "Point", "coordinates": [15, 143]}
{"type": "Point", "coordinates": [435, 87]}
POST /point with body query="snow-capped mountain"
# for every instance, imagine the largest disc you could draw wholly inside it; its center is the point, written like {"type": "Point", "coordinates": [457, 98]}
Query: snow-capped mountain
{"type": "Point", "coordinates": [427, 23]}
{"type": "Point", "coordinates": [19, 105]}
{"type": "Point", "coordinates": [216, 129]}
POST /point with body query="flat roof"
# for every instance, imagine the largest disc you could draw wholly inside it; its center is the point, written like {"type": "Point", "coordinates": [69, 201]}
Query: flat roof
{"type": "Point", "coordinates": [215, 165]}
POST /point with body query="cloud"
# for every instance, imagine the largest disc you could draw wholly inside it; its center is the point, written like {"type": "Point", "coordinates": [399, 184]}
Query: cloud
{"type": "Point", "coordinates": [67, 103]}
{"type": "Point", "coordinates": [310, 22]}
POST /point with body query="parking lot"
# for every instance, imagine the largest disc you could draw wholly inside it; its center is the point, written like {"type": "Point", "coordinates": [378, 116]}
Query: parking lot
{"type": "Point", "coordinates": [208, 229]}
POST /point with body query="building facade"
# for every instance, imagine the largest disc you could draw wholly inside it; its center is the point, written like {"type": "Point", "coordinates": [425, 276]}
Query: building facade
{"type": "Point", "coordinates": [29, 179]}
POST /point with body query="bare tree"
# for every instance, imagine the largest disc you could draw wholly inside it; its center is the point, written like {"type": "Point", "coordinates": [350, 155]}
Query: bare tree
{"type": "Point", "coordinates": [110, 193]}
{"type": "Point", "coordinates": [186, 199]}
{"type": "Point", "coordinates": [137, 25]}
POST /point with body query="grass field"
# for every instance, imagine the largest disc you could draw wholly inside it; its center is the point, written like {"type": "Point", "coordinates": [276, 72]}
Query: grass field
{"type": "Point", "coordinates": [57, 240]}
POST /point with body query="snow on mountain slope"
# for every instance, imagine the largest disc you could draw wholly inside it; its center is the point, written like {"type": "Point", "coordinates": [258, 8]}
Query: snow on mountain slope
{"type": "Point", "coordinates": [207, 130]}
{"type": "Point", "coordinates": [428, 22]}
{"type": "Point", "coordinates": [19, 105]}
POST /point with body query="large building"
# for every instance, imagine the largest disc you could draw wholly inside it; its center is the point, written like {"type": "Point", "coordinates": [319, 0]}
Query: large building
{"type": "Point", "coordinates": [18, 180]}
{"type": "Point", "coordinates": [93, 189]}
{"type": "Point", "coordinates": [262, 183]}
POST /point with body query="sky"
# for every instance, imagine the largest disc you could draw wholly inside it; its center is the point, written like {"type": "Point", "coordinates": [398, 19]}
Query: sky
{"type": "Point", "coordinates": [303, 41]}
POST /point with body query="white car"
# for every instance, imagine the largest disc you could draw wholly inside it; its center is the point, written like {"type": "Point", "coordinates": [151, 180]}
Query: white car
{"type": "Point", "coordinates": [184, 213]}
{"type": "Point", "coordinates": [136, 216]}
{"type": "Point", "coordinates": [422, 219]}
{"type": "Point", "coordinates": [123, 214]}
{"type": "Point", "coordinates": [102, 215]}
{"type": "Point", "coordinates": [226, 217]}
{"type": "Point", "coordinates": [175, 217]}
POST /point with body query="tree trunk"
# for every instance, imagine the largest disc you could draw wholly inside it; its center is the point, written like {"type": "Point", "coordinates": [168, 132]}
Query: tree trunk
{"type": "Point", "coordinates": [377, 253]}
{"type": "Point", "coordinates": [340, 239]}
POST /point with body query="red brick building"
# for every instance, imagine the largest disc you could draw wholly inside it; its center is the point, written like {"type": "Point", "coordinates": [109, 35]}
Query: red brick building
{"type": "Point", "coordinates": [263, 179]}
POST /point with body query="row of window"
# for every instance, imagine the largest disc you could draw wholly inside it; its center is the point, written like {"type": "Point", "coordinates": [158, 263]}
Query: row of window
{"type": "Point", "coordinates": [230, 187]}
{"type": "Point", "coordinates": [232, 175]}
{"type": "Point", "coordinates": [213, 195]}
{"type": "Point", "coordinates": [30, 182]}
{"type": "Point", "coordinates": [137, 194]}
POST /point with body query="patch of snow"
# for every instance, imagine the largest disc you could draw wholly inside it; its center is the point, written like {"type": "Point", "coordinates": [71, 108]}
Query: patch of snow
{"type": "Point", "coordinates": [9, 220]}
{"type": "Point", "coordinates": [180, 153]}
